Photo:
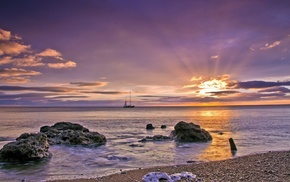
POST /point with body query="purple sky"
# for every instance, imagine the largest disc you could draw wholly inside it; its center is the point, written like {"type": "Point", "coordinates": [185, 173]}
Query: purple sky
{"type": "Point", "coordinates": [166, 52]}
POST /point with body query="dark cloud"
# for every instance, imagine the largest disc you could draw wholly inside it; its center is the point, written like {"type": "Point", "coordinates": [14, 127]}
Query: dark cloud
{"type": "Point", "coordinates": [38, 89]}
{"type": "Point", "coordinates": [223, 93]}
{"type": "Point", "coordinates": [260, 84]}
{"type": "Point", "coordinates": [70, 97]}
{"type": "Point", "coordinates": [89, 84]}
{"type": "Point", "coordinates": [24, 96]}
{"type": "Point", "coordinates": [276, 89]}
{"type": "Point", "coordinates": [150, 96]}
{"type": "Point", "coordinates": [106, 92]}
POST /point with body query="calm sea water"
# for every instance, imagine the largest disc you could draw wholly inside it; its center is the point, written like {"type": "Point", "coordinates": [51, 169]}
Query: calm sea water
{"type": "Point", "coordinates": [254, 129]}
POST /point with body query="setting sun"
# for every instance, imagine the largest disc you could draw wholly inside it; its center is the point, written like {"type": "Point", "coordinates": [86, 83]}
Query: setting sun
{"type": "Point", "coordinates": [210, 86]}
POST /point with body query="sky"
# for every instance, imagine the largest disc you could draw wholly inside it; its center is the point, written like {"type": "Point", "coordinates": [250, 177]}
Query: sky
{"type": "Point", "coordinates": [165, 52]}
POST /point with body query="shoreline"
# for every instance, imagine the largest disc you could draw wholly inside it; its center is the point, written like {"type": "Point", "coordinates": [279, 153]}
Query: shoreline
{"type": "Point", "coordinates": [269, 166]}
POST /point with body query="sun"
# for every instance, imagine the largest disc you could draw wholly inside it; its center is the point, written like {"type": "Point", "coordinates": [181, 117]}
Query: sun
{"type": "Point", "coordinates": [206, 85]}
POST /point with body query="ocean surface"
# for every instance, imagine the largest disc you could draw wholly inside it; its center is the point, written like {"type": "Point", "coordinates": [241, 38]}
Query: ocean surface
{"type": "Point", "coordinates": [255, 129]}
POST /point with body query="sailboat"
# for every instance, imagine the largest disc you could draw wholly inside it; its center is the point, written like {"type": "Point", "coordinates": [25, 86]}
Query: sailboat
{"type": "Point", "coordinates": [128, 106]}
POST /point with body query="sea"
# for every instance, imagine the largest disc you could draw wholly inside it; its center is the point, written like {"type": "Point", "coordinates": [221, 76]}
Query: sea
{"type": "Point", "coordinates": [255, 129]}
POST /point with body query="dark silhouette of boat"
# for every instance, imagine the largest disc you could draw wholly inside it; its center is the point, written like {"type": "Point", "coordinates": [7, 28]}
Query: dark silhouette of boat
{"type": "Point", "coordinates": [130, 105]}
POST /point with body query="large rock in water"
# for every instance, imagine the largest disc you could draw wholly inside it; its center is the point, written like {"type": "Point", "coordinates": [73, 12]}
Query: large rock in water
{"type": "Point", "coordinates": [189, 132]}
{"type": "Point", "coordinates": [27, 147]}
{"type": "Point", "coordinates": [72, 134]}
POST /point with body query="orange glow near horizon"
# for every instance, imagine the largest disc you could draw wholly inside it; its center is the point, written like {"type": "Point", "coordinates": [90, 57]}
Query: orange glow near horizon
{"type": "Point", "coordinates": [218, 123]}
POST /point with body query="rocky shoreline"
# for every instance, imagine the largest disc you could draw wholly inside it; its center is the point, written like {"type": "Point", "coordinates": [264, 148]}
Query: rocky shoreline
{"type": "Point", "coordinates": [35, 146]}
{"type": "Point", "coordinates": [270, 166]}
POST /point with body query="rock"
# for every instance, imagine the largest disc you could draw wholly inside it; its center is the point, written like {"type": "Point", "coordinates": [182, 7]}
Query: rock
{"type": "Point", "coordinates": [65, 126]}
{"type": "Point", "coordinates": [27, 147]}
{"type": "Point", "coordinates": [149, 127]}
{"type": "Point", "coordinates": [155, 138]}
{"type": "Point", "coordinates": [163, 126]}
{"type": "Point", "coordinates": [189, 132]}
{"type": "Point", "coordinates": [136, 145]}
{"type": "Point", "coordinates": [72, 134]}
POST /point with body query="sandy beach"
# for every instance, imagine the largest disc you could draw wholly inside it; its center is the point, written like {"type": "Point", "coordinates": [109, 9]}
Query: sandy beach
{"type": "Point", "coordinates": [270, 166]}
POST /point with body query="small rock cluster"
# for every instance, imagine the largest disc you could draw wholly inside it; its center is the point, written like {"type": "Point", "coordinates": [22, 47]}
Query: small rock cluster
{"type": "Point", "coordinates": [151, 127]}
{"type": "Point", "coordinates": [183, 132]}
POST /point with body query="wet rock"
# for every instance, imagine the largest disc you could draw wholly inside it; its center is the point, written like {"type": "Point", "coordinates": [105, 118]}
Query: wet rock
{"type": "Point", "coordinates": [163, 126]}
{"type": "Point", "coordinates": [64, 126]}
{"type": "Point", "coordinates": [72, 134]}
{"type": "Point", "coordinates": [27, 147]}
{"type": "Point", "coordinates": [136, 145]}
{"type": "Point", "coordinates": [149, 127]}
{"type": "Point", "coordinates": [189, 132]}
{"type": "Point", "coordinates": [155, 138]}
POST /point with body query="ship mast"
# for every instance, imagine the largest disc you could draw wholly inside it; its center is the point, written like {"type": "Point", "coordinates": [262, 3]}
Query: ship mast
{"type": "Point", "coordinates": [130, 98]}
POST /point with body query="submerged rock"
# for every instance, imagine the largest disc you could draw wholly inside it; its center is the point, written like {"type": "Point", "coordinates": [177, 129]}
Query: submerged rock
{"type": "Point", "coordinates": [190, 132]}
{"type": "Point", "coordinates": [136, 145]}
{"type": "Point", "coordinates": [72, 134]}
{"type": "Point", "coordinates": [27, 147]}
{"type": "Point", "coordinates": [155, 138]}
{"type": "Point", "coordinates": [149, 127]}
{"type": "Point", "coordinates": [163, 126]}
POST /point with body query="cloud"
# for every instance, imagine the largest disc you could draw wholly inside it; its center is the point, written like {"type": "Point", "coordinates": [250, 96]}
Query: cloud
{"type": "Point", "coordinates": [68, 64]}
{"type": "Point", "coordinates": [89, 84]}
{"type": "Point", "coordinates": [215, 58]}
{"type": "Point", "coordinates": [16, 75]}
{"type": "Point", "coordinates": [207, 81]}
{"type": "Point", "coordinates": [15, 80]}
{"type": "Point", "coordinates": [260, 84]}
{"type": "Point", "coordinates": [4, 35]}
{"type": "Point", "coordinates": [51, 53]}
{"type": "Point", "coordinates": [23, 96]}
{"type": "Point", "coordinates": [106, 92]}
{"type": "Point", "coordinates": [6, 60]}
{"type": "Point", "coordinates": [38, 89]}
{"type": "Point", "coordinates": [276, 89]}
{"type": "Point", "coordinates": [31, 61]}
{"type": "Point", "coordinates": [26, 61]}
{"type": "Point", "coordinates": [223, 93]}
{"type": "Point", "coordinates": [16, 54]}
{"type": "Point", "coordinates": [70, 97]}
{"type": "Point", "coordinates": [270, 46]}
{"type": "Point", "coordinates": [13, 48]}
{"type": "Point", "coordinates": [12, 72]}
